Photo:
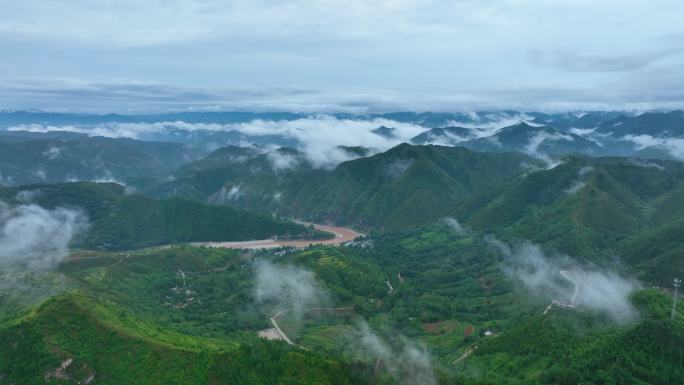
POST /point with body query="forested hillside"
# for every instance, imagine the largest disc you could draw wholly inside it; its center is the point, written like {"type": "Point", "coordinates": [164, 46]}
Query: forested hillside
{"type": "Point", "coordinates": [27, 157]}
{"type": "Point", "coordinates": [594, 209]}
{"type": "Point", "coordinates": [404, 187]}
{"type": "Point", "coordinates": [118, 220]}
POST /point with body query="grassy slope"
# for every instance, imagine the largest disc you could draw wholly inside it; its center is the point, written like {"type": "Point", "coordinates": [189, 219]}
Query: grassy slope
{"type": "Point", "coordinates": [117, 349]}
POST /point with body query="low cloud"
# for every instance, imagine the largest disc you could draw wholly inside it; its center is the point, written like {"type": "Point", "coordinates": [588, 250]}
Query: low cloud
{"type": "Point", "coordinates": [40, 173]}
{"type": "Point", "coordinates": [485, 125]}
{"type": "Point", "coordinates": [35, 235]}
{"type": "Point", "coordinates": [52, 153]}
{"type": "Point", "coordinates": [234, 193]}
{"type": "Point", "coordinates": [643, 141]}
{"type": "Point", "coordinates": [455, 225]}
{"type": "Point", "coordinates": [566, 280]}
{"type": "Point", "coordinates": [397, 168]}
{"type": "Point", "coordinates": [292, 288]}
{"type": "Point", "coordinates": [407, 362]}
{"type": "Point", "coordinates": [580, 182]}
{"type": "Point", "coordinates": [24, 287]}
{"type": "Point", "coordinates": [317, 136]}
{"type": "Point", "coordinates": [287, 287]}
{"type": "Point", "coordinates": [672, 146]}
{"type": "Point", "coordinates": [533, 146]}
{"type": "Point", "coordinates": [281, 161]}
{"type": "Point", "coordinates": [645, 163]}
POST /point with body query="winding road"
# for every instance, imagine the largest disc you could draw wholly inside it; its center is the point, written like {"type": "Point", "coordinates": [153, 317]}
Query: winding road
{"type": "Point", "coordinates": [568, 275]}
{"type": "Point", "coordinates": [573, 300]}
{"type": "Point", "coordinates": [342, 234]}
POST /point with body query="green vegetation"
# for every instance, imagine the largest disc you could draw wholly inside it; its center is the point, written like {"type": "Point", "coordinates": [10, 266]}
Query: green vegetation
{"type": "Point", "coordinates": [55, 157]}
{"type": "Point", "coordinates": [579, 348]}
{"type": "Point", "coordinates": [114, 312]}
{"type": "Point", "coordinates": [620, 207]}
{"type": "Point", "coordinates": [121, 221]}
{"type": "Point", "coordinates": [188, 315]}
{"type": "Point", "coordinates": [73, 339]}
{"type": "Point", "coordinates": [407, 186]}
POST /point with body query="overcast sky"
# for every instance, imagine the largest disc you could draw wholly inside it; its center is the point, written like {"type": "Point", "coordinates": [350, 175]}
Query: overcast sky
{"type": "Point", "coordinates": [352, 55]}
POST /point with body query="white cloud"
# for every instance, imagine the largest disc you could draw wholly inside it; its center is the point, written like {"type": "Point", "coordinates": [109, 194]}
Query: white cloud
{"type": "Point", "coordinates": [486, 125]}
{"type": "Point", "coordinates": [643, 141]}
{"type": "Point", "coordinates": [30, 233]}
{"type": "Point", "coordinates": [580, 182]}
{"type": "Point", "coordinates": [417, 54]}
{"type": "Point", "coordinates": [52, 153]}
{"type": "Point", "coordinates": [319, 136]}
{"type": "Point", "coordinates": [287, 288]}
{"type": "Point", "coordinates": [398, 167]}
{"type": "Point", "coordinates": [532, 147]}
{"type": "Point", "coordinates": [281, 161]}
{"type": "Point", "coordinates": [234, 193]}
{"type": "Point", "coordinates": [455, 225]}
{"type": "Point", "coordinates": [409, 364]}
{"type": "Point", "coordinates": [293, 288]}
{"type": "Point", "coordinates": [597, 289]}
{"type": "Point", "coordinates": [673, 146]}
{"type": "Point", "coordinates": [40, 173]}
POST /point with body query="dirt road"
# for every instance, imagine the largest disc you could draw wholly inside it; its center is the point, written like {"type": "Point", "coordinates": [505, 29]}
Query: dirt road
{"type": "Point", "coordinates": [342, 234]}
{"type": "Point", "coordinates": [568, 275]}
{"type": "Point", "coordinates": [276, 333]}
{"type": "Point", "coordinates": [572, 304]}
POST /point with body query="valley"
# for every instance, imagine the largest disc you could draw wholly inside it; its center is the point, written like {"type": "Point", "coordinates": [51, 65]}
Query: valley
{"type": "Point", "coordinates": [360, 192]}
{"type": "Point", "coordinates": [412, 264]}
{"type": "Point", "coordinates": [339, 236]}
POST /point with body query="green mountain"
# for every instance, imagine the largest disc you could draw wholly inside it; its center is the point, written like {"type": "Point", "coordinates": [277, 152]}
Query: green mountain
{"type": "Point", "coordinates": [213, 177]}
{"type": "Point", "coordinates": [444, 135]}
{"type": "Point", "coordinates": [188, 315]}
{"type": "Point", "coordinates": [534, 140]}
{"type": "Point", "coordinates": [403, 187]}
{"type": "Point", "coordinates": [75, 339]}
{"type": "Point", "coordinates": [594, 209]}
{"type": "Point", "coordinates": [567, 348]}
{"type": "Point", "coordinates": [431, 296]}
{"type": "Point", "coordinates": [666, 124]}
{"type": "Point", "coordinates": [27, 157]}
{"type": "Point", "coordinates": [123, 221]}
{"type": "Point", "coordinates": [406, 186]}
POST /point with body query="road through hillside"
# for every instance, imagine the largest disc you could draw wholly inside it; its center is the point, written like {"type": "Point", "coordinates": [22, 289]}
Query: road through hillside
{"type": "Point", "coordinates": [568, 276]}
{"type": "Point", "coordinates": [572, 303]}
{"type": "Point", "coordinates": [342, 234]}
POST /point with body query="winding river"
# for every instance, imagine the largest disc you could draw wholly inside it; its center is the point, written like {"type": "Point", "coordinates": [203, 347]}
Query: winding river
{"type": "Point", "coordinates": [342, 234]}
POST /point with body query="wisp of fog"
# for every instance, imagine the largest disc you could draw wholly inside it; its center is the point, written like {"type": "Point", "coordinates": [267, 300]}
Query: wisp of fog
{"type": "Point", "coordinates": [598, 289]}
{"type": "Point", "coordinates": [295, 288]}
{"type": "Point", "coordinates": [409, 363]}
{"type": "Point", "coordinates": [35, 235]}
{"type": "Point", "coordinates": [287, 287]}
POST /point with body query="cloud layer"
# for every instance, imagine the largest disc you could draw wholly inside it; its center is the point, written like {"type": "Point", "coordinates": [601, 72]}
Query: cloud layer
{"type": "Point", "coordinates": [318, 136]}
{"type": "Point", "coordinates": [321, 55]}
